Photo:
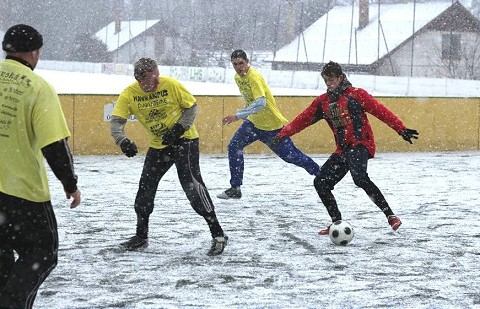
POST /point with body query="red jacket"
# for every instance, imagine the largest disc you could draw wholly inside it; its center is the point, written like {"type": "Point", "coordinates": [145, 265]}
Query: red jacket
{"type": "Point", "coordinates": [346, 117]}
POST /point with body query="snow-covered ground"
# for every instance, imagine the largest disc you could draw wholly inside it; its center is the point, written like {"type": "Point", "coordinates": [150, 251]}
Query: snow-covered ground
{"type": "Point", "coordinates": [274, 259]}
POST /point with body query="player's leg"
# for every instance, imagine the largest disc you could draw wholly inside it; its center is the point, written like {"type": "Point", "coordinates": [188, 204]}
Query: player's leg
{"type": "Point", "coordinates": [244, 136]}
{"type": "Point", "coordinates": [157, 163]}
{"type": "Point", "coordinates": [331, 172]}
{"type": "Point", "coordinates": [357, 159]}
{"type": "Point", "coordinates": [36, 242]}
{"type": "Point", "coordinates": [188, 169]}
{"type": "Point", "coordinates": [289, 153]}
{"type": "Point", "coordinates": [7, 257]}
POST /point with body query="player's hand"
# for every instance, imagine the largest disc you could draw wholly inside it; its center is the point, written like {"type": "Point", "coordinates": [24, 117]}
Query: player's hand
{"type": "Point", "coordinates": [229, 119]}
{"type": "Point", "coordinates": [408, 134]}
{"type": "Point", "coordinates": [171, 136]}
{"type": "Point", "coordinates": [128, 148]}
{"type": "Point", "coordinates": [76, 196]}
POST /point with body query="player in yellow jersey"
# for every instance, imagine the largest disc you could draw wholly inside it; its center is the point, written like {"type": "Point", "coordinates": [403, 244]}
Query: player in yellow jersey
{"type": "Point", "coordinates": [32, 127]}
{"type": "Point", "coordinates": [262, 120]}
{"type": "Point", "coordinates": [167, 111]}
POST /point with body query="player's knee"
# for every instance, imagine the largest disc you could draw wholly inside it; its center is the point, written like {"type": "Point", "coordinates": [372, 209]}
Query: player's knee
{"type": "Point", "coordinates": [143, 207]}
{"type": "Point", "coordinates": [233, 147]}
{"type": "Point", "coordinates": [289, 158]}
{"type": "Point", "coordinates": [321, 185]}
{"type": "Point", "coordinates": [361, 182]}
{"type": "Point", "coordinates": [53, 261]}
{"type": "Point", "coordinates": [44, 261]}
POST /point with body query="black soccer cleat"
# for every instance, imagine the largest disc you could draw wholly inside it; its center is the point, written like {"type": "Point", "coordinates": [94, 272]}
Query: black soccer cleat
{"type": "Point", "coordinates": [218, 245]}
{"type": "Point", "coordinates": [232, 193]}
{"type": "Point", "coordinates": [135, 243]}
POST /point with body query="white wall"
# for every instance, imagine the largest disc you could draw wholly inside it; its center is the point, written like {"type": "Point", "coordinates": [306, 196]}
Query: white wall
{"type": "Point", "coordinates": [377, 85]}
{"type": "Point", "coordinates": [427, 60]}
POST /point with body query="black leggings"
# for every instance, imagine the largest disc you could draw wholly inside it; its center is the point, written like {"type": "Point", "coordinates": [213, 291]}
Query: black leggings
{"type": "Point", "coordinates": [29, 229]}
{"type": "Point", "coordinates": [185, 156]}
{"type": "Point", "coordinates": [336, 167]}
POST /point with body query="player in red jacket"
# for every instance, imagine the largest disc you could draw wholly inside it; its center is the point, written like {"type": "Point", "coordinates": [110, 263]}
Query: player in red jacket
{"type": "Point", "coordinates": [345, 109]}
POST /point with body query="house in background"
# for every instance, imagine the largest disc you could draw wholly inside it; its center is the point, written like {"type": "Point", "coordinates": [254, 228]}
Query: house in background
{"type": "Point", "coordinates": [127, 41]}
{"type": "Point", "coordinates": [438, 39]}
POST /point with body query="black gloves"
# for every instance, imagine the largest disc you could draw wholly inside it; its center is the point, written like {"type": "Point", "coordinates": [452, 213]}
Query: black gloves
{"type": "Point", "coordinates": [408, 134]}
{"type": "Point", "coordinates": [128, 148]}
{"type": "Point", "coordinates": [171, 136]}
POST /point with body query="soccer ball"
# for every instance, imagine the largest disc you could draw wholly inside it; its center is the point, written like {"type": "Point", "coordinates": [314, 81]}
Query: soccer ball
{"type": "Point", "coordinates": [341, 233]}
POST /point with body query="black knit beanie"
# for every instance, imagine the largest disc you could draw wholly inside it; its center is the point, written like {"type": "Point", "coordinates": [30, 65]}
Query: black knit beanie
{"type": "Point", "coordinates": [22, 38]}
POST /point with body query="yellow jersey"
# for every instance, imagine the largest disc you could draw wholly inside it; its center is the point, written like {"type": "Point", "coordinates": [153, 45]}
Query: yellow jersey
{"type": "Point", "coordinates": [158, 110]}
{"type": "Point", "coordinates": [252, 86]}
{"type": "Point", "coordinates": [31, 118]}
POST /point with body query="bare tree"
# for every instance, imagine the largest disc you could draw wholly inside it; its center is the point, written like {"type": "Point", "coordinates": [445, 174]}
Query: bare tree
{"type": "Point", "coordinates": [463, 63]}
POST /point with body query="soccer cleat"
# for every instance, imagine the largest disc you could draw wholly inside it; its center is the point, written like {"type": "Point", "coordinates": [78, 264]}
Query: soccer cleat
{"type": "Point", "coordinates": [135, 243]}
{"type": "Point", "coordinates": [232, 193]}
{"type": "Point", "coordinates": [218, 244]}
{"type": "Point", "coordinates": [324, 231]}
{"type": "Point", "coordinates": [394, 222]}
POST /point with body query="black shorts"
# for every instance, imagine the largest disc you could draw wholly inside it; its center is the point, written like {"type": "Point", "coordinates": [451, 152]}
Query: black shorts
{"type": "Point", "coordinates": [25, 224]}
{"type": "Point", "coordinates": [29, 230]}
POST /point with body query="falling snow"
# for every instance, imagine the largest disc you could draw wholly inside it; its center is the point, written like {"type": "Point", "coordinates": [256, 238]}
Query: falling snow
{"type": "Point", "coordinates": [275, 258]}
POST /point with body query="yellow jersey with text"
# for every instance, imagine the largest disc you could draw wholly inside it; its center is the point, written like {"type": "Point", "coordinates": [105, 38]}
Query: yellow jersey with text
{"type": "Point", "coordinates": [252, 86]}
{"type": "Point", "coordinates": [31, 118]}
{"type": "Point", "coordinates": [158, 110]}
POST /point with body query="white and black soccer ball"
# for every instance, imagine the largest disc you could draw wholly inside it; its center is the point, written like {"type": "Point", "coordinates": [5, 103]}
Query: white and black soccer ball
{"type": "Point", "coordinates": [341, 233]}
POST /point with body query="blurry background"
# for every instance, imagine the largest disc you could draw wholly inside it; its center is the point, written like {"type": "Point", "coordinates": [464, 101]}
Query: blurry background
{"type": "Point", "coordinates": [202, 33]}
{"type": "Point", "coordinates": [208, 26]}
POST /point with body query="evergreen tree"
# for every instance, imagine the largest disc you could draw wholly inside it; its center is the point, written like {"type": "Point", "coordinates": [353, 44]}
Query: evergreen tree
{"type": "Point", "coordinates": [89, 49]}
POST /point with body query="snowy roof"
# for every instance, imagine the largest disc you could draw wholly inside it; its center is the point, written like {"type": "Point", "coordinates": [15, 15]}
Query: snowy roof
{"type": "Point", "coordinates": [128, 30]}
{"type": "Point", "coordinates": [396, 21]}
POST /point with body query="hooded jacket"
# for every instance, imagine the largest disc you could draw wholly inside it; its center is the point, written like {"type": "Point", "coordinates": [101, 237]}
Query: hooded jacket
{"type": "Point", "coordinates": [345, 110]}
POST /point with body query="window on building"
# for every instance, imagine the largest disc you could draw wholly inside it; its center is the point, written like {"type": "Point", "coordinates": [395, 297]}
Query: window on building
{"type": "Point", "coordinates": [451, 48]}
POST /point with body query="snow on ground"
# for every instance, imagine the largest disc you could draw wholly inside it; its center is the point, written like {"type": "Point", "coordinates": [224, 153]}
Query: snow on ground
{"type": "Point", "coordinates": [274, 259]}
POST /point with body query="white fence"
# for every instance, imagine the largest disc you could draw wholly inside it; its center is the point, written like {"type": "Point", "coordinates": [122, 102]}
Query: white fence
{"type": "Point", "coordinates": [377, 85]}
